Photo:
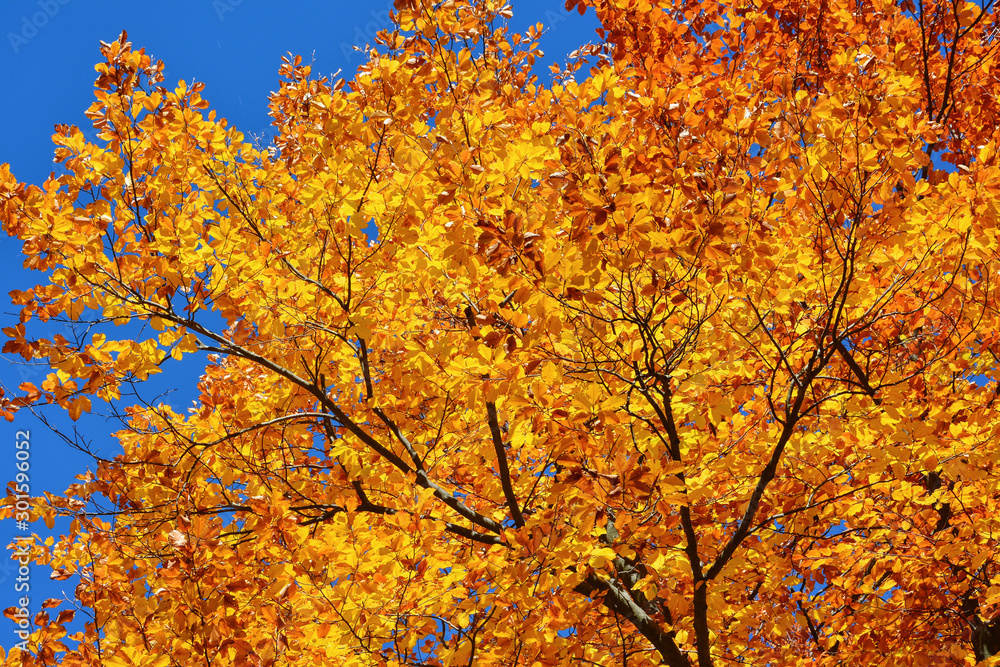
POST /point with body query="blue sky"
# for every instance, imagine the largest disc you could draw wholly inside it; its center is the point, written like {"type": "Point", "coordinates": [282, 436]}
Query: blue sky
{"type": "Point", "coordinates": [48, 49]}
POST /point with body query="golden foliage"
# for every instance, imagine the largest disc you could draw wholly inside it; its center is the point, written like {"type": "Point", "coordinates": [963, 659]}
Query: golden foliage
{"type": "Point", "coordinates": [686, 357]}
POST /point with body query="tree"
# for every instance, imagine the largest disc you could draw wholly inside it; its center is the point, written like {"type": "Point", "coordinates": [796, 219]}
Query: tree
{"type": "Point", "coordinates": [686, 357]}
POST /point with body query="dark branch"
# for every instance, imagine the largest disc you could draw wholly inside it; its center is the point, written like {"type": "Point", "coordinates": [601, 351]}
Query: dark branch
{"type": "Point", "coordinates": [508, 490]}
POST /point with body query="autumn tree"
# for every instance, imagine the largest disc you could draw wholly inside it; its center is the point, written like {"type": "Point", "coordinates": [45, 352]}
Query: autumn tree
{"type": "Point", "coordinates": [683, 353]}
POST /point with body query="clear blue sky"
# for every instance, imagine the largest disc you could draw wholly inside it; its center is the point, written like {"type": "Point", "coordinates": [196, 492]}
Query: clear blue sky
{"type": "Point", "coordinates": [48, 49]}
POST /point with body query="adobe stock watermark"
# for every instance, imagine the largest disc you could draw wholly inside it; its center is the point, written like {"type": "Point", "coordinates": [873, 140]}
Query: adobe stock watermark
{"type": "Point", "coordinates": [33, 24]}
{"type": "Point", "coordinates": [366, 34]}
{"type": "Point", "coordinates": [22, 542]}
{"type": "Point", "coordinates": [223, 7]}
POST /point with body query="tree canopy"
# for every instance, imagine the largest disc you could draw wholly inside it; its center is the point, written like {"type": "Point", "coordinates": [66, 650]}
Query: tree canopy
{"type": "Point", "coordinates": [683, 353]}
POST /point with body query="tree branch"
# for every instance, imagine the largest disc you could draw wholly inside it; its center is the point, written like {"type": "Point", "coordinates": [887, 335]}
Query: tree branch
{"type": "Point", "coordinates": [618, 600]}
{"type": "Point", "coordinates": [508, 490]}
{"type": "Point", "coordinates": [857, 370]}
